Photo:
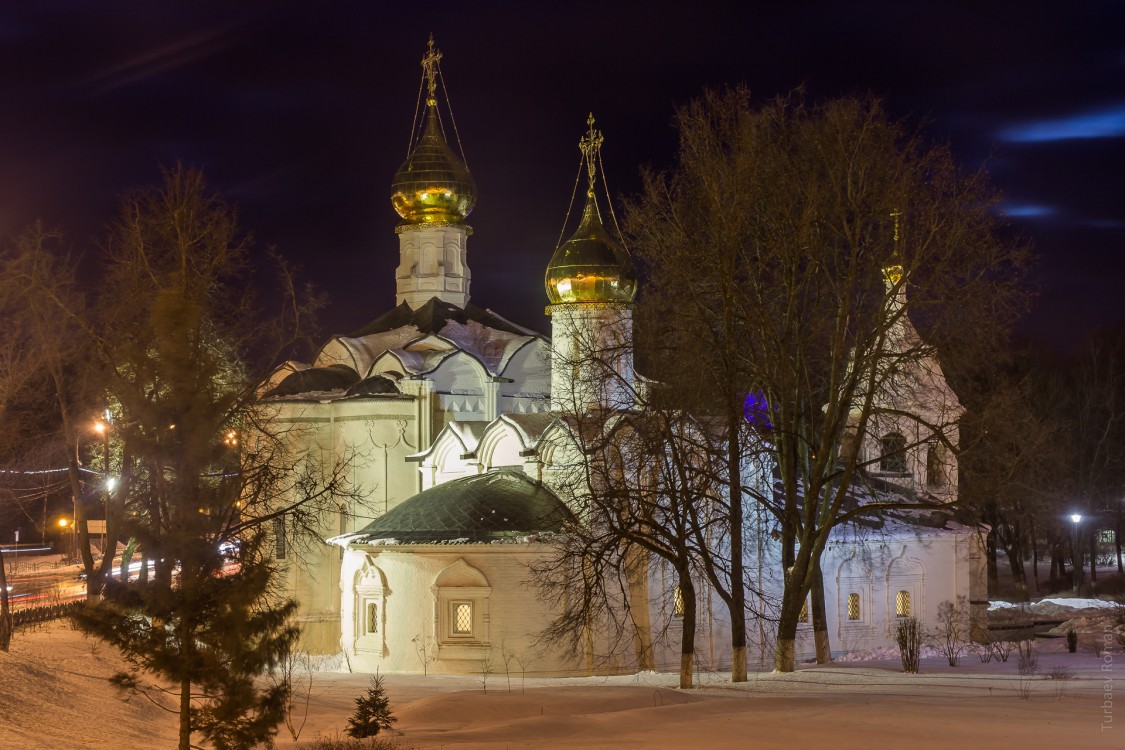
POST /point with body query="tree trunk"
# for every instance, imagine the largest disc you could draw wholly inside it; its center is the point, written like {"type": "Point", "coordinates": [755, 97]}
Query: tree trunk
{"type": "Point", "coordinates": [1117, 539]}
{"type": "Point", "coordinates": [5, 613]}
{"type": "Point", "coordinates": [1015, 563]}
{"type": "Point", "coordinates": [1093, 547]}
{"type": "Point", "coordinates": [687, 638]}
{"type": "Point", "coordinates": [1034, 554]}
{"type": "Point", "coordinates": [993, 568]}
{"type": "Point", "coordinates": [185, 715]}
{"type": "Point", "coordinates": [737, 573]}
{"type": "Point", "coordinates": [785, 655]}
{"type": "Point", "coordinates": [1058, 559]}
{"type": "Point", "coordinates": [126, 558]}
{"type": "Point", "coordinates": [819, 619]}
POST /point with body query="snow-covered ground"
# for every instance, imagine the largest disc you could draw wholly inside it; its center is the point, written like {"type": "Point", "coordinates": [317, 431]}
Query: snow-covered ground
{"type": "Point", "coordinates": [54, 694]}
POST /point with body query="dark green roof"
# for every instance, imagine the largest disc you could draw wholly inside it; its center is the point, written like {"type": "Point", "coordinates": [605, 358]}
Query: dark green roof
{"type": "Point", "coordinates": [432, 317]}
{"type": "Point", "coordinates": [503, 504]}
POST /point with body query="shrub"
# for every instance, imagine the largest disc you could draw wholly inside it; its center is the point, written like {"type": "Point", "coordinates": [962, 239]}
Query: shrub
{"type": "Point", "coordinates": [372, 712]}
{"type": "Point", "coordinates": [908, 633]}
{"type": "Point", "coordinates": [1029, 662]}
{"type": "Point", "coordinates": [949, 635]}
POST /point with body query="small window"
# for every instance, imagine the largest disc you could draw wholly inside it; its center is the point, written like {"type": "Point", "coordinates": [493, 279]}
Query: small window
{"type": "Point", "coordinates": [462, 618]}
{"type": "Point", "coordinates": [279, 550]}
{"type": "Point", "coordinates": [849, 447]}
{"type": "Point", "coordinates": [372, 617]}
{"type": "Point", "coordinates": [893, 447]}
{"type": "Point", "coordinates": [677, 602]}
{"type": "Point", "coordinates": [902, 604]}
{"type": "Point", "coordinates": [935, 467]}
{"type": "Point", "coordinates": [804, 616]}
{"type": "Point", "coordinates": [853, 607]}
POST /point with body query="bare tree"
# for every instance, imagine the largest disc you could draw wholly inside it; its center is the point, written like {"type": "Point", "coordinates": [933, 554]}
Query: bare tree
{"type": "Point", "coordinates": [798, 246]}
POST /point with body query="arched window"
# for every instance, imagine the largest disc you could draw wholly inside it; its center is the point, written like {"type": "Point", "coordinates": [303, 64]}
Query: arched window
{"type": "Point", "coordinates": [677, 602]}
{"type": "Point", "coordinates": [370, 608]}
{"type": "Point", "coordinates": [280, 550]}
{"type": "Point", "coordinates": [935, 467]}
{"type": "Point", "coordinates": [853, 607]}
{"type": "Point", "coordinates": [849, 446]}
{"type": "Point", "coordinates": [461, 595]}
{"type": "Point", "coordinates": [893, 447]}
{"type": "Point", "coordinates": [902, 604]}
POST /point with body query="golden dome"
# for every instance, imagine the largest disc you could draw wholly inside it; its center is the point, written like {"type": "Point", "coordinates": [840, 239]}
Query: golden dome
{"type": "Point", "coordinates": [433, 186]}
{"type": "Point", "coordinates": [591, 266]}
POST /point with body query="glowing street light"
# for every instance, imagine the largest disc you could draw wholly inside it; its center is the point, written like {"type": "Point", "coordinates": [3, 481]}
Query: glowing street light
{"type": "Point", "coordinates": [102, 427]}
{"type": "Point", "coordinates": [66, 526]}
{"type": "Point", "coordinates": [1077, 519]}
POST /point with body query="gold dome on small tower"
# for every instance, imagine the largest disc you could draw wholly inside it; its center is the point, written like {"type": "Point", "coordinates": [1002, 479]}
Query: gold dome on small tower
{"type": "Point", "coordinates": [591, 267]}
{"type": "Point", "coordinates": [433, 185]}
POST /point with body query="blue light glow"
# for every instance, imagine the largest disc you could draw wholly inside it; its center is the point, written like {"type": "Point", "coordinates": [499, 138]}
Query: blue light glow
{"type": "Point", "coordinates": [1026, 210]}
{"type": "Point", "coordinates": [757, 410]}
{"type": "Point", "coordinates": [1103, 123]}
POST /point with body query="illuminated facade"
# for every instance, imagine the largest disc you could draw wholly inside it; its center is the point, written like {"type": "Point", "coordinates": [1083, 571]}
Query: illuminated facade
{"type": "Point", "coordinates": [447, 416]}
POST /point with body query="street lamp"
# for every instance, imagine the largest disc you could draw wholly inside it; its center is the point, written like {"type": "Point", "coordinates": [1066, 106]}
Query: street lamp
{"type": "Point", "coordinates": [102, 428]}
{"type": "Point", "coordinates": [64, 524]}
{"type": "Point", "coordinates": [1077, 519]}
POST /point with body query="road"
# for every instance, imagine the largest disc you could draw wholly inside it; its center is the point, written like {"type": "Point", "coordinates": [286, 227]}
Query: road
{"type": "Point", "coordinates": [44, 582]}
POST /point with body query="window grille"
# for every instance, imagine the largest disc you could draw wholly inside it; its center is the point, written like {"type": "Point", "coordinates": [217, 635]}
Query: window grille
{"type": "Point", "coordinates": [804, 616]}
{"type": "Point", "coordinates": [935, 467]}
{"type": "Point", "coordinates": [372, 617]}
{"type": "Point", "coordinates": [677, 602]}
{"type": "Point", "coordinates": [853, 606]}
{"type": "Point", "coordinates": [279, 550]}
{"type": "Point", "coordinates": [463, 618]}
{"type": "Point", "coordinates": [894, 453]}
{"type": "Point", "coordinates": [902, 604]}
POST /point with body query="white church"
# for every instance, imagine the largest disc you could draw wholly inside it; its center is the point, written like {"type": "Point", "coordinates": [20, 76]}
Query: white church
{"type": "Point", "coordinates": [448, 416]}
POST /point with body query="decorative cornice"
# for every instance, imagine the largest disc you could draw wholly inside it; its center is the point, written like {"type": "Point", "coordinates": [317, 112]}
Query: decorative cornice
{"type": "Point", "coordinates": [589, 306]}
{"type": "Point", "coordinates": [433, 225]}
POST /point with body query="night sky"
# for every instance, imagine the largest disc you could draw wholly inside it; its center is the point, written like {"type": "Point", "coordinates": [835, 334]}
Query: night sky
{"type": "Point", "coordinates": [300, 114]}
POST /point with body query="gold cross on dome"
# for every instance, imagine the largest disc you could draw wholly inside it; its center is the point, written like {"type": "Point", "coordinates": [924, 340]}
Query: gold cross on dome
{"type": "Point", "coordinates": [430, 64]}
{"type": "Point", "coordinates": [590, 145]}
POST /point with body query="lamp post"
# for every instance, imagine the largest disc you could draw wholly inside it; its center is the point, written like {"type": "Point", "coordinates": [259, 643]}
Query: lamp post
{"type": "Point", "coordinates": [65, 525]}
{"type": "Point", "coordinates": [102, 428]}
{"type": "Point", "coordinates": [1077, 519]}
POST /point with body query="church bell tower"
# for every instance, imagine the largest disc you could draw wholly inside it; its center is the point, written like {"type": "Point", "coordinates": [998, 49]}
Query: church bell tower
{"type": "Point", "coordinates": [433, 192]}
{"type": "Point", "coordinates": [591, 283]}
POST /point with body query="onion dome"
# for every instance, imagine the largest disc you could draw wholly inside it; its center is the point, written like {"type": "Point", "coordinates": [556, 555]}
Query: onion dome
{"type": "Point", "coordinates": [433, 185]}
{"type": "Point", "coordinates": [591, 266]}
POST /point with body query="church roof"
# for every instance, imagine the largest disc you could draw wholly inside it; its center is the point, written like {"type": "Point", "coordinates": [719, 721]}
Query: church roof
{"type": "Point", "coordinates": [433, 316]}
{"type": "Point", "coordinates": [315, 379]}
{"type": "Point", "coordinates": [500, 505]}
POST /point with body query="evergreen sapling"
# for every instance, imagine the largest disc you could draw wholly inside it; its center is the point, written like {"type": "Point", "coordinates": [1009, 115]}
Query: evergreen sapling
{"type": "Point", "coordinates": [372, 712]}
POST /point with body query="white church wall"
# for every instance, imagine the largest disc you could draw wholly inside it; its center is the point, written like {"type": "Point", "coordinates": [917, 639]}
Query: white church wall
{"type": "Point", "coordinates": [373, 436]}
{"type": "Point", "coordinates": [419, 607]}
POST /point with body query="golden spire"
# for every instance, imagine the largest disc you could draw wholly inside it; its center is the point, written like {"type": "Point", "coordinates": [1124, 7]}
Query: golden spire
{"type": "Point", "coordinates": [893, 271]}
{"type": "Point", "coordinates": [430, 62]}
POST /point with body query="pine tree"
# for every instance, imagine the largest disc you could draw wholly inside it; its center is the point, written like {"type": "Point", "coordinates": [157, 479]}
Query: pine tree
{"type": "Point", "coordinates": [181, 326]}
{"type": "Point", "coordinates": [372, 712]}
